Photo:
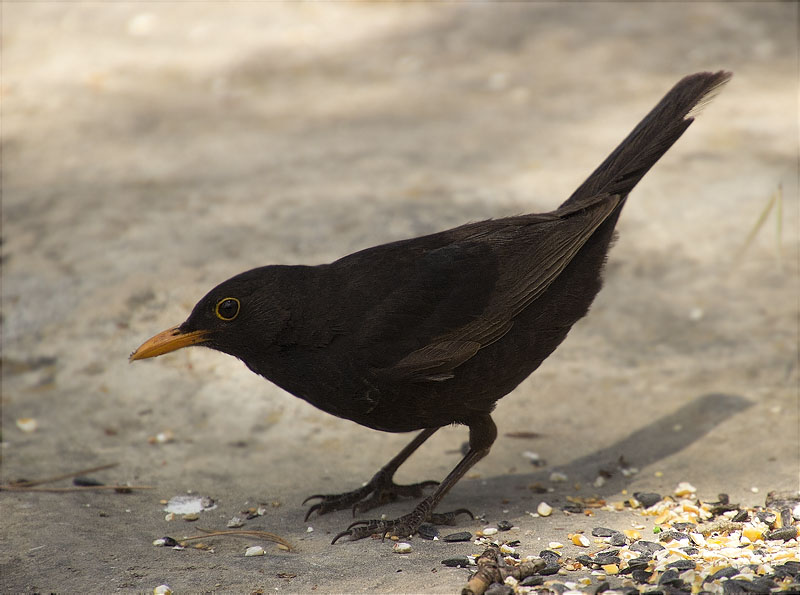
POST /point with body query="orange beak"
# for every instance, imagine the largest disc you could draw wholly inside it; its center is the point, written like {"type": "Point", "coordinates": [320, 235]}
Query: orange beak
{"type": "Point", "coordinates": [166, 341]}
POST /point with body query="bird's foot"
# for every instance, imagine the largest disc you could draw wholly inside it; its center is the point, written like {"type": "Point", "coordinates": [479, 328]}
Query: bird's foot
{"type": "Point", "coordinates": [380, 490]}
{"type": "Point", "coordinates": [405, 526]}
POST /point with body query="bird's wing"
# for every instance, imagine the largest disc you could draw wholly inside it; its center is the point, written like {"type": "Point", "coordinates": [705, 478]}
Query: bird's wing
{"type": "Point", "coordinates": [464, 296]}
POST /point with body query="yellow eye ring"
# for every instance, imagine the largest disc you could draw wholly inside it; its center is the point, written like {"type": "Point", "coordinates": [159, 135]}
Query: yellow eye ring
{"type": "Point", "coordinates": [227, 308]}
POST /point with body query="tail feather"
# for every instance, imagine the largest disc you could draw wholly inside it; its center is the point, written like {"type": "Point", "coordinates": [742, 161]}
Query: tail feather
{"type": "Point", "coordinates": [651, 138]}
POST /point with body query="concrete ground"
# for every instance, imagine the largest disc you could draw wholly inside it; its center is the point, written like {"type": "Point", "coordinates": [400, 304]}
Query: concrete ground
{"type": "Point", "coordinates": [151, 150]}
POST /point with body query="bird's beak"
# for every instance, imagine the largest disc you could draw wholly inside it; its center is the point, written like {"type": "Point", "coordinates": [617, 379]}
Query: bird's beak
{"type": "Point", "coordinates": [168, 340]}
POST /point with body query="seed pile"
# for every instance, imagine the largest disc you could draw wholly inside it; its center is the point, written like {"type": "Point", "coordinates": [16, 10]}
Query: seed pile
{"type": "Point", "coordinates": [696, 547]}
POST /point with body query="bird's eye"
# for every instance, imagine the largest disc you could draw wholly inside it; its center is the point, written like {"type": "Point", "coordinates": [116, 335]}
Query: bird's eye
{"type": "Point", "coordinates": [227, 309]}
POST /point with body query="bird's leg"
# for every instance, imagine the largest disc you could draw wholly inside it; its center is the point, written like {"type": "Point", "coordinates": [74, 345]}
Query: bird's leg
{"type": "Point", "coordinates": [482, 433]}
{"type": "Point", "coordinates": [380, 489]}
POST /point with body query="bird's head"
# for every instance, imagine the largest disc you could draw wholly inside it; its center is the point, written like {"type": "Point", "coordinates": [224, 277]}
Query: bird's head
{"type": "Point", "coordinates": [241, 317]}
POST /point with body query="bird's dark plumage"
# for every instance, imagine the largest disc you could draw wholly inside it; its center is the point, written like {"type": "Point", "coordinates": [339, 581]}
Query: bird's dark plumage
{"type": "Point", "coordinates": [421, 333]}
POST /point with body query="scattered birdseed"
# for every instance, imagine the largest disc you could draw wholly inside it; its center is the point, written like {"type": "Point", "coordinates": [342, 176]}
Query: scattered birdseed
{"type": "Point", "coordinates": [504, 525]}
{"type": "Point", "coordinates": [401, 548]}
{"type": "Point", "coordinates": [647, 499]}
{"type": "Point", "coordinates": [699, 550]}
{"type": "Point", "coordinates": [235, 523]}
{"type": "Point", "coordinates": [460, 562]}
{"type": "Point", "coordinates": [784, 534]}
{"type": "Point", "coordinates": [428, 531]}
{"type": "Point", "coordinates": [632, 534]}
{"type": "Point", "coordinates": [457, 537]}
{"type": "Point", "coordinates": [489, 531]}
{"type": "Point", "coordinates": [255, 550]}
{"type": "Point", "coordinates": [499, 589]}
{"type": "Point", "coordinates": [508, 550]}
{"type": "Point", "coordinates": [684, 489]}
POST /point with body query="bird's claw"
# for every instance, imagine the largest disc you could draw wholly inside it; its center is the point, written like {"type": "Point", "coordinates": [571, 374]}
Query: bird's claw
{"type": "Point", "coordinates": [331, 502]}
{"type": "Point", "coordinates": [377, 492]}
{"type": "Point", "coordinates": [448, 518]}
{"type": "Point", "coordinates": [405, 526]}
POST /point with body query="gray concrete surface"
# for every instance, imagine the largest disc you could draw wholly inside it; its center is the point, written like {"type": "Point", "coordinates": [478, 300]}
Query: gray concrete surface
{"type": "Point", "coordinates": [152, 150]}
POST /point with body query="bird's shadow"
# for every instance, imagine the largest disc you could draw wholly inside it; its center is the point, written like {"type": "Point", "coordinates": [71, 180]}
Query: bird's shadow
{"type": "Point", "coordinates": [644, 447]}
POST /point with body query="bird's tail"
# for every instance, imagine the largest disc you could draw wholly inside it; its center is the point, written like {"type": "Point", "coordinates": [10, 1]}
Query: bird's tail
{"type": "Point", "coordinates": [651, 138]}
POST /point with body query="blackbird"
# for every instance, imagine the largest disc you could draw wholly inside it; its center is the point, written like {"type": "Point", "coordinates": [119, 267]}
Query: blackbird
{"type": "Point", "coordinates": [430, 331]}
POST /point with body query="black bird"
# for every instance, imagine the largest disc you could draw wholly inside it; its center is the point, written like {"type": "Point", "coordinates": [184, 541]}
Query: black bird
{"type": "Point", "coordinates": [422, 333]}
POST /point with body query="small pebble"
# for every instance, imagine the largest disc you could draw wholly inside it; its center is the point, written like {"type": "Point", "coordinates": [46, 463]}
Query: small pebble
{"type": "Point", "coordinates": [27, 424]}
{"type": "Point", "coordinates": [603, 532]}
{"type": "Point", "coordinates": [191, 516]}
{"type": "Point", "coordinates": [255, 550]}
{"type": "Point", "coordinates": [489, 531]}
{"type": "Point", "coordinates": [695, 314]}
{"type": "Point", "coordinates": [162, 590]}
{"type": "Point", "coordinates": [235, 523]}
{"type": "Point", "coordinates": [456, 537]}
{"type": "Point", "coordinates": [401, 548]}
{"type": "Point", "coordinates": [544, 509]}
{"type": "Point", "coordinates": [504, 525]}
{"type": "Point", "coordinates": [557, 476]}
{"type": "Point", "coordinates": [165, 542]}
